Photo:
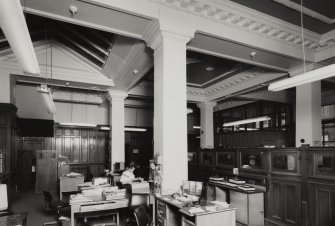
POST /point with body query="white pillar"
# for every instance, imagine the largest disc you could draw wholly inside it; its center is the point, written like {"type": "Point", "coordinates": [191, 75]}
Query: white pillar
{"type": "Point", "coordinates": [308, 113]}
{"type": "Point", "coordinates": [116, 121]}
{"type": "Point", "coordinates": [206, 123]}
{"type": "Point", "coordinates": [170, 116]}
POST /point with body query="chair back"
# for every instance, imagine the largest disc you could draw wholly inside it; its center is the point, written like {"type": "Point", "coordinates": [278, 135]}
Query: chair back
{"type": "Point", "coordinates": [142, 216]}
{"type": "Point", "coordinates": [136, 200]}
{"type": "Point", "coordinates": [47, 198]}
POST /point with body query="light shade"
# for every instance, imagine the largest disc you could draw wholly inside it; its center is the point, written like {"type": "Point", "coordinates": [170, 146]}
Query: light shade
{"type": "Point", "coordinates": [104, 128]}
{"type": "Point", "coordinates": [189, 110]}
{"type": "Point", "coordinates": [81, 124]}
{"type": "Point", "coordinates": [246, 121]}
{"type": "Point", "coordinates": [308, 77]}
{"type": "Point", "coordinates": [13, 25]}
{"type": "Point", "coordinates": [134, 129]}
{"type": "Point", "coordinates": [47, 98]}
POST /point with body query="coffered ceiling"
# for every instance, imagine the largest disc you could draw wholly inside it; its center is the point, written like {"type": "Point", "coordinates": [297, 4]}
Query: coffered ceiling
{"type": "Point", "coordinates": [217, 68]}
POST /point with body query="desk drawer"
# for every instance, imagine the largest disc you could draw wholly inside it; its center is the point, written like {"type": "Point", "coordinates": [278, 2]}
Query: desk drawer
{"type": "Point", "coordinates": [161, 209]}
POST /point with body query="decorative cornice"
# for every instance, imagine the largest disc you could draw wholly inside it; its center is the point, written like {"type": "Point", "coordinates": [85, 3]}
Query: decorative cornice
{"type": "Point", "coordinates": [306, 11]}
{"type": "Point", "coordinates": [241, 17]}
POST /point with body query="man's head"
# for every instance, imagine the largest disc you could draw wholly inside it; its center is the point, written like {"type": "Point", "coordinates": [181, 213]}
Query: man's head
{"type": "Point", "coordinates": [132, 166]}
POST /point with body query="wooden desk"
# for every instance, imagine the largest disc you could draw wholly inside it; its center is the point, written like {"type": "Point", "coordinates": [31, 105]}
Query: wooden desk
{"type": "Point", "coordinates": [98, 204]}
{"type": "Point", "coordinates": [170, 213]}
{"type": "Point", "coordinates": [68, 184]}
{"type": "Point", "coordinates": [249, 204]}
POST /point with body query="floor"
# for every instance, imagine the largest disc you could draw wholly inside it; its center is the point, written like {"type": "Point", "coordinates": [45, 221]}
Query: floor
{"type": "Point", "coordinates": [34, 204]}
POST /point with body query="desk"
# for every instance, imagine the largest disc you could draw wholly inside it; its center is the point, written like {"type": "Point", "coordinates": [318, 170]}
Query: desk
{"type": "Point", "coordinates": [11, 220]}
{"type": "Point", "coordinates": [68, 184]}
{"type": "Point", "coordinates": [170, 213]}
{"type": "Point", "coordinates": [249, 204]}
{"type": "Point", "coordinates": [99, 204]}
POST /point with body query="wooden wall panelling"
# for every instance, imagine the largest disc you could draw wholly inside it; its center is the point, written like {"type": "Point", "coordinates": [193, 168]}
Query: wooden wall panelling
{"type": "Point", "coordinates": [84, 146]}
{"type": "Point", "coordinates": [92, 146]}
{"type": "Point", "coordinates": [101, 144]}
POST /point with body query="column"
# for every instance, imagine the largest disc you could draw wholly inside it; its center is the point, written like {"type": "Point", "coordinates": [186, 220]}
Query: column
{"type": "Point", "coordinates": [170, 108]}
{"type": "Point", "coordinates": [116, 120]}
{"type": "Point", "coordinates": [206, 124]}
{"type": "Point", "coordinates": [308, 113]}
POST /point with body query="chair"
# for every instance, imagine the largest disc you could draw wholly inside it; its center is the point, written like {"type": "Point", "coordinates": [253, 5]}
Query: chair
{"type": "Point", "coordinates": [142, 216]}
{"type": "Point", "coordinates": [54, 205]}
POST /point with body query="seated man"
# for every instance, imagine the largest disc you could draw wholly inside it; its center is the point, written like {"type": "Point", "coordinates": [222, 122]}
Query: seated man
{"type": "Point", "coordinates": [128, 175]}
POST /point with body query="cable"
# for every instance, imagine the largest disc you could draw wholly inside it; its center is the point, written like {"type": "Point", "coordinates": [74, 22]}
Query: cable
{"type": "Point", "coordinates": [302, 34]}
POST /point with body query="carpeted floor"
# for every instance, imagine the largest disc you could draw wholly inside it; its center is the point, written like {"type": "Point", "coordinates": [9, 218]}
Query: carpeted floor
{"type": "Point", "coordinates": [34, 205]}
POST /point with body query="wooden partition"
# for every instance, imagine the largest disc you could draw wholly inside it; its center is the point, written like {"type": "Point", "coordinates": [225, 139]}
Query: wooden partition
{"type": "Point", "coordinates": [87, 149]}
{"type": "Point", "coordinates": [299, 182]}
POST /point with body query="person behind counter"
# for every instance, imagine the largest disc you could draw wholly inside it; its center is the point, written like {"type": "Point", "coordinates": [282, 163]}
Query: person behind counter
{"type": "Point", "coordinates": [128, 175]}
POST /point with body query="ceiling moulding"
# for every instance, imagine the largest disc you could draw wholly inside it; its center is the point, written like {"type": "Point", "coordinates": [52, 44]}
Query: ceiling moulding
{"type": "Point", "coordinates": [242, 17]}
{"type": "Point", "coordinates": [306, 11]}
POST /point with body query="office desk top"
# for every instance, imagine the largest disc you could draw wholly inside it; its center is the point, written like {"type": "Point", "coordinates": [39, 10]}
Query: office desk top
{"type": "Point", "coordinates": [185, 209]}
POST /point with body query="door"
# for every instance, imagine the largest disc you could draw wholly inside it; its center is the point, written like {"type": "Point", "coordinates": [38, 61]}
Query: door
{"type": "Point", "coordinates": [24, 170]}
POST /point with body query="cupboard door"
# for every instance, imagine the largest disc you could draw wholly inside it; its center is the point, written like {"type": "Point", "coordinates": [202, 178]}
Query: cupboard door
{"type": "Point", "coordinates": [275, 197]}
{"type": "Point", "coordinates": [284, 203]}
{"type": "Point", "coordinates": [292, 202]}
{"type": "Point", "coordinates": [322, 208]}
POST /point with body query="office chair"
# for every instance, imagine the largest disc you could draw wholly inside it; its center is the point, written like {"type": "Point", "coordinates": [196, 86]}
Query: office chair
{"type": "Point", "coordinates": [54, 205]}
{"type": "Point", "coordinates": [135, 201]}
{"type": "Point", "coordinates": [142, 217]}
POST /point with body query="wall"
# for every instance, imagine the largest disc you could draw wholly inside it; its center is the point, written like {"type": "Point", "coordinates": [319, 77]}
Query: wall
{"type": "Point", "coordinates": [5, 87]}
{"type": "Point", "coordinates": [31, 105]}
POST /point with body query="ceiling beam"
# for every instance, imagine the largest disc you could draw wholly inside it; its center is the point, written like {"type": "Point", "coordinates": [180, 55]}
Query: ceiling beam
{"type": "Point", "coordinates": [81, 47]}
{"type": "Point", "coordinates": [85, 39]}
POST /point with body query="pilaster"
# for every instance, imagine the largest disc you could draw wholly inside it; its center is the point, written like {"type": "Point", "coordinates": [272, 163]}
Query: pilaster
{"type": "Point", "coordinates": [206, 123]}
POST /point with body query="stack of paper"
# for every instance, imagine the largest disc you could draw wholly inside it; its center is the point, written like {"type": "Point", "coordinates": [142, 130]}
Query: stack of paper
{"type": "Point", "coordinates": [114, 194]}
{"type": "Point", "coordinates": [194, 210]}
{"type": "Point", "coordinates": [79, 198]}
{"type": "Point", "coordinates": [92, 192]}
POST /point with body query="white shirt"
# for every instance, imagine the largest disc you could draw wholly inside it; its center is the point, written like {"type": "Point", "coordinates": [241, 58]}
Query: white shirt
{"type": "Point", "coordinates": [127, 177]}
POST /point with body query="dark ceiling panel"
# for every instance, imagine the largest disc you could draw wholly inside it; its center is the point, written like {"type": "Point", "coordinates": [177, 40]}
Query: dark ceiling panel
{"type": "Point", "coordinates": [204, 70]}
{"type": "Point", "coordinates": [324, 7]}
{"type": "Point", "coordinates": [292, 16]}
{"type": "Point", "coordinates": [89, 43]}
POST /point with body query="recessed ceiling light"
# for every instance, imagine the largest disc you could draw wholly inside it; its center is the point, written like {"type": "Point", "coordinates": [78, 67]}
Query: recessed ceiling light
{"type": "Point", "coordinates": [209, 68]}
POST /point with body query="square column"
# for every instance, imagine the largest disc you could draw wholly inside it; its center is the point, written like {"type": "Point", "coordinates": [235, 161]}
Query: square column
{"type": "Point", "coordinates": [206, 123]}
{"type": "Point", "coordinates": [170, 108]}
{"type": "Point", "coordinates": [116, 121]}
{"type": "Point", "coordinates": [308, 113]}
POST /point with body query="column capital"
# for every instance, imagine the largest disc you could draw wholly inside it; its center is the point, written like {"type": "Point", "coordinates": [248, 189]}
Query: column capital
{"type": "Point", "coordinates": [156, 38]}
{"type": "Point", "coordinates": [207, 105]}
{"type": "Point", "coordinates": [116, 95]}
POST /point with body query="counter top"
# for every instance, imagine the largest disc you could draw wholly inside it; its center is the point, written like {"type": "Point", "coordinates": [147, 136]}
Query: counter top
{"type": "Point", "coordinates": [185, 209]}
{"type": "Point", "coordinates": [257, 190]}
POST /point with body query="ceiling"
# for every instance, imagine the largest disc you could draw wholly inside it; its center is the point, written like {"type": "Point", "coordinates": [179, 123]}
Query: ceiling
{"type": "Point", "coordinates": [224, 70]}
{"type": "Point", "coordinates": [319, 15]}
